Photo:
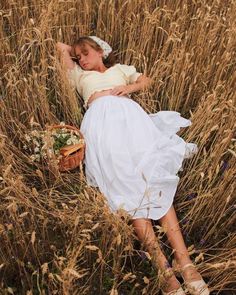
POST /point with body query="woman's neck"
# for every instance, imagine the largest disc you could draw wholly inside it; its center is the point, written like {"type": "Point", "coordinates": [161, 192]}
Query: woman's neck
{"type": "Point", "coordinates": [100, 68]}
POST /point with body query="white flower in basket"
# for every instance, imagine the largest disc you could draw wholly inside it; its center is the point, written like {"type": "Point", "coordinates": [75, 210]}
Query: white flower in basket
{"type": "Point", "coordinates": [63, 142]}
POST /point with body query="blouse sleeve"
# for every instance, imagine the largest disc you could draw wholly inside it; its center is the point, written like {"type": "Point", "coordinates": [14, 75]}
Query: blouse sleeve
{"type": "Point", "coordinates": [74, 76]}
{"type": "Point", "coordinates": [130, 73]}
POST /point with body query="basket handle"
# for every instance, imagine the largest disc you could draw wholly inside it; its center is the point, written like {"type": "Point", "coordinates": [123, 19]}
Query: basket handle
{"type": "Point", "coordinates": [66, 127]}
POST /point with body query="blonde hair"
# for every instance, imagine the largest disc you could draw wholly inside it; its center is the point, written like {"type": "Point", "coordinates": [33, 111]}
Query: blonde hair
{"type": "Point", "coordinates": [82, 41]}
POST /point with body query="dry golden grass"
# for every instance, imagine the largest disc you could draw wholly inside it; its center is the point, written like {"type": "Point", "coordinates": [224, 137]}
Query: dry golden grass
{"type": "Point", "coordinates": [57, 234]}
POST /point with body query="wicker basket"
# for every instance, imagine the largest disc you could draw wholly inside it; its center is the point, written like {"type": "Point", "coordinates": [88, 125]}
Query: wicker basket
{"type": "Point", "coordinates": [70, 156]}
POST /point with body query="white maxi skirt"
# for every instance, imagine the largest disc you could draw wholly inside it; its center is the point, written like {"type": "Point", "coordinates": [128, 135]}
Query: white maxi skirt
{"type": "Point", "coordinates": [133, 157]}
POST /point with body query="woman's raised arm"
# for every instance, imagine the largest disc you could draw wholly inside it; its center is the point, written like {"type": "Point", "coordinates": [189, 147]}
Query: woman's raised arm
{"type": "Point", "coordinates": [65, 51]}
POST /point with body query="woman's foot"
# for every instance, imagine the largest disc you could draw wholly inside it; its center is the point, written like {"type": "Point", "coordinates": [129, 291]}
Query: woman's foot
{"type": "Point", "coordinates": [169, 284]}
{"type": "Point", "coordinates": [192, 279]}
{"type": "Point", "coordinates": [190, 273]}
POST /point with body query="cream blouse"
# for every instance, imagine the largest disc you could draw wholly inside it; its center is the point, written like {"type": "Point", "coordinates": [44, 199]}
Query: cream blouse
{"type": "Point", "coordinates": [88, 82]}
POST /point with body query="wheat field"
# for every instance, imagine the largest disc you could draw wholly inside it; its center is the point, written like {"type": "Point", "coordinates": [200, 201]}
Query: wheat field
{"type": "Point", "coordinates": [57, 234]}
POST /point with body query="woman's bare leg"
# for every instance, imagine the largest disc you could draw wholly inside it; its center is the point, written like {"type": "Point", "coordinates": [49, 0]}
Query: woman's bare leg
{"type": "Point", "coordinates": [144, 230]}
{"type": "Point", "coordinates": [171, 225]}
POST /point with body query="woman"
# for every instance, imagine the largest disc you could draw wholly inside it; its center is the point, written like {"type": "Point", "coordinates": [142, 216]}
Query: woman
{"type": "Point", "coordinates": [131, 156]}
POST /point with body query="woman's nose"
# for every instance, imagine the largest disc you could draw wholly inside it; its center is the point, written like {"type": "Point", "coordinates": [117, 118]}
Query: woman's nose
{"type": "Point", "coordinates": [82, 58]}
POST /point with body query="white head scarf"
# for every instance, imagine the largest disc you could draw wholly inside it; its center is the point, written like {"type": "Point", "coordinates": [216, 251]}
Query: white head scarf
{"type": "Point", "coordinates": [104, 45]}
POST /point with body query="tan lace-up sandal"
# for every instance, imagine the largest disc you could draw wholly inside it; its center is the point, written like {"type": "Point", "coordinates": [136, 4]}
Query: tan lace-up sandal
{"type": "Point", "coordinates": [164, 276]}
{"type": "Point", "coordinates": [195, 287]}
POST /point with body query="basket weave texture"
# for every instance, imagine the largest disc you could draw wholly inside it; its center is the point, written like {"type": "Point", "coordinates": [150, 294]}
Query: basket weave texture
{"type": "Point", "coordinates": [70, 156]}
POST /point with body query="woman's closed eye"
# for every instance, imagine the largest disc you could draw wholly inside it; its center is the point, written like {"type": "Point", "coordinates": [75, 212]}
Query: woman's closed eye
{"type": "Point", "coordinates": [85, 52]}
{"type": "Point", "coordinates": [79, 57]}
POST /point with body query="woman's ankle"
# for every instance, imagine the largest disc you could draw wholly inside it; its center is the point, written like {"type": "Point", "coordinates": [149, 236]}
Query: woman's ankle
{"type": "Point", "coordinates": [190, 273]}
{"type": "Point", "coordinates": [182, 259]}
{"type": "Point", "coordinates": [168, 280]}
{"type": "Point", "coordinates": [187, 270]}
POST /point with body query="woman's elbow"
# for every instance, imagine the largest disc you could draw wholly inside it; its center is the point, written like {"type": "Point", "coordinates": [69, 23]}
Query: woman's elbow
{"type": "Point", "coordinates": [148, 81]}
{"type": "Point", "coordinates": [63, 47]}
{"type": "Point", "coordinates": [59, 45]}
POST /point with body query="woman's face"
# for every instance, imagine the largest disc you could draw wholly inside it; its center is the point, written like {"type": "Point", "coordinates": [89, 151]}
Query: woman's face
{"type": "Point", "coordinates": [88, 57]}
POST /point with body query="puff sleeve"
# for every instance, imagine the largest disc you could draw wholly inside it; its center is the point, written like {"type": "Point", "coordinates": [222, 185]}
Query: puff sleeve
{"type": "Point", "coordinates": [74, 77]}
{"type": "Point", "coordinates": [131, 75]}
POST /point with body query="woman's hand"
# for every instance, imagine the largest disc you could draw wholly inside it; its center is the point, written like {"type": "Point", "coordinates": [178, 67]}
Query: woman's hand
{"type": "Point", "coordinates": [122, 90]}
{"type": "Point", "coordinates": [142, 83]}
